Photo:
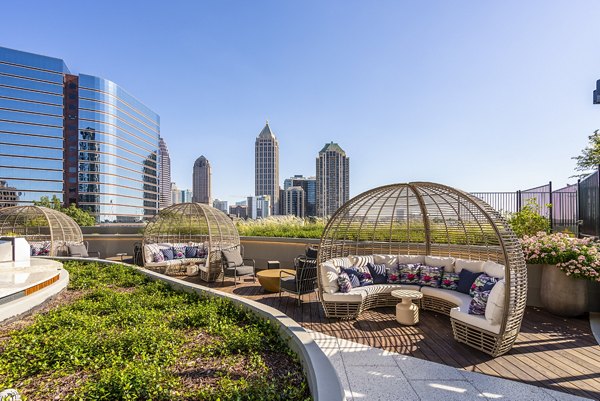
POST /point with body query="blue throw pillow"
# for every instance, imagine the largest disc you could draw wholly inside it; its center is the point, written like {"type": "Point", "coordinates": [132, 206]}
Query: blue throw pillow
{"type": "Point", "coordinates": [168, 253]}
{"type": "Point", "coordinates": [465, 280]}
{"type": "Point", "coordinates": [353, 275]}
{"type": "Point", "coordinates": [378, 272]}
{"type": "Point", "coordinates": [191, 251]}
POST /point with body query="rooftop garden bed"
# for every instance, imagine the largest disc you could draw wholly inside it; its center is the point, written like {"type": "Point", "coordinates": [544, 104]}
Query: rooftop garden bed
{"type": "Point", "coordinates": [115, 334]}
{"type": "Point", "coordinates": [282, 226]}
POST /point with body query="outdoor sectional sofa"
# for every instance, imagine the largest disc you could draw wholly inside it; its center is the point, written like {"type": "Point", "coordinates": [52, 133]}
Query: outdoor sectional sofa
{"type": "Point", "coordinates": [423, 222]}
{"type": "Point", "coordinates": [154, 258]}
{"type": "Point", "coordinates": [483, 329]}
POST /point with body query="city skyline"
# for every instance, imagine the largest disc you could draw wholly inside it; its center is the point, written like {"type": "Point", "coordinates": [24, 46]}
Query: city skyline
{"type": "Point", "coordinates": [411, 79]}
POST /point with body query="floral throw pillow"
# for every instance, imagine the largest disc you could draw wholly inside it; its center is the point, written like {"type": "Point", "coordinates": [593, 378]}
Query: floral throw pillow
{"type": "Point", "coordinates": [158, 257]}
{"type": "Point", "coordinates": [178, 252]}
{"type": "Point", "coordinates": [479, 302]}
{"type": "Point", "coordinates": [431, 275]}
{"type": "Point", "coordinates": [409, 273]}
{"type": "Point", "coordinates": [344, 282]}
{"type": "Point", "coordinates": [393, 274]}
{"type": "Point", "coordinates": [449, 281]}
{"type": "Point", "coordinates": [352, 276]}
{"type": "Point", "coordinates": [358, 277]}
{"type": "Point", "coordinates": [482, 283]}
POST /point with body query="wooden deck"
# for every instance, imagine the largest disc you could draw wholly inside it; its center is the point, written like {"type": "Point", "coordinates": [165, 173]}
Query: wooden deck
{"type": "Point", "coordinates": [552, 352]}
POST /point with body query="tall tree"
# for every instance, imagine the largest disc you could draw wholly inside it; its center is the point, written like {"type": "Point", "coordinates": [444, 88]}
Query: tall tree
{"type": "Point", "coordinates": [81, 217]}
{"type": "Point", "coordinates": [589, 159]}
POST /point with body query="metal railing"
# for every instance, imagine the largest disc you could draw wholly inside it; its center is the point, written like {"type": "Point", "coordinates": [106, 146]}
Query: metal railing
{"type": "Point", "coordinates": [559, 206]}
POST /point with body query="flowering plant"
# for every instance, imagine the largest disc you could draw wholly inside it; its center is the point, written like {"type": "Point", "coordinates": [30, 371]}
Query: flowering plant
{"type": "Point", "coordinates": [577, 257]}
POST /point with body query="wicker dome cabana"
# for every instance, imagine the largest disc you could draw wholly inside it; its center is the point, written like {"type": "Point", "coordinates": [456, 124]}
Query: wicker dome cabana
{"type": "Point", "coordinates": [196, 223]}
{"type": "Point", "coordinates": [39, 225]}
{"type": "Point", "coordinates": [422, 218]}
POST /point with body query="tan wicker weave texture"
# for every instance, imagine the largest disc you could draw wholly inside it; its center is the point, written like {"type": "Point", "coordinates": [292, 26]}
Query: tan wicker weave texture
{"type": "Point", "coordinates": [39, 224]}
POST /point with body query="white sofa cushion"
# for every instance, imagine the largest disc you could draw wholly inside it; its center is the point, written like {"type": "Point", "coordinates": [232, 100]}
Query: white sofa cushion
{"type": "Point", "coordinates": [493, 269]}
{"type": "Point", "coordinates": [474, 320]}
{"type": "Point", "coordinates": [439, 261]}
{"type": "Point", "coordinates": [455, 297]}
{"type": "Point", "coordinates": [387, 260]}
{"type": "Point", "coordinates": [387, 288]}
{"type": "Point", "coordinates": [355, 295]}
{"type": "Point", "coordinates": [411, 258]}
{"type": "Point", "coordinates": [341, 262]}
{"type": "Point", "coordinates": [494, 309]}
{"type": "Point", "coordinates": [360, 260]}
{"type": "Point", "coordinates": [475, 266]}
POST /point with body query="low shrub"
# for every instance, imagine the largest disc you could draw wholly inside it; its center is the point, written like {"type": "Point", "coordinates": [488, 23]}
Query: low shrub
{"type": "Point", "coordinates": [129, 338]}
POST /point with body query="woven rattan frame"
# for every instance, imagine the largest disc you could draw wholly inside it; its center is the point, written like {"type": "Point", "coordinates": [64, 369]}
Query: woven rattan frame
{"type": "Point", "coordinates": [196, 223]}
{"type": "Point", "coordinates": [423, 218]}
{"type": "Point", "coordinates": [39, 224]}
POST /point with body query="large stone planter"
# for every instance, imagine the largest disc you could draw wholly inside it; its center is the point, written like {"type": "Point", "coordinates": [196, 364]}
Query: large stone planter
{"type": "Point", "coordinates": [563, 295]}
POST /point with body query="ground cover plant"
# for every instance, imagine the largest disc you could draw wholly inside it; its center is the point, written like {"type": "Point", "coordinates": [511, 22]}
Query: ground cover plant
{"type": "Point", "coordinates": [116, 335]}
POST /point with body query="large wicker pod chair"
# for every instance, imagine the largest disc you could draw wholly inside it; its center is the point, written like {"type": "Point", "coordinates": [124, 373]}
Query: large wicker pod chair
{"type": "Point", "coordinates": [195, 224]}
{"type": "Point", "coordinates": [48, 231]}
{"type": "Point", "coordinates": [422, 218]}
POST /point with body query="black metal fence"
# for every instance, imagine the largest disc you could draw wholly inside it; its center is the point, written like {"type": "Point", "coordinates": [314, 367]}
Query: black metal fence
{"type": "Point", "coordinates": [559, 206]}
{"type": "Point", "coordinates": [589, 205]}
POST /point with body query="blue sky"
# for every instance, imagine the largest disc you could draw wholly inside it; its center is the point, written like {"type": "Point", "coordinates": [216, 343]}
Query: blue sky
{"type": "Point", "coordinates": [484, 96]}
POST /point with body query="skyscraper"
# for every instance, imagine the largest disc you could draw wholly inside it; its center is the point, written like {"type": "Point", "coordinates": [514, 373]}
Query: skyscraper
{"type": "Point", "coordinates": [309, 185]}
{"type": "Point", "coordinates": [201, 181]}
{"type": "Point", "coordinates": [294, 202]}
{"type": "Point", "coordinates": [333, 179]}
{"type": "Point", "coordinates": [164, 178]}
{"type": "Point", "coordinates": [259, 207]}
{"type": "Point", "coordinates": [266, 178]}
{"type": "Point", "coordinates": [175, 194]}
{"type": "Point", "coordinates": [221, 205]}
{"type": "Point", "coordinates": [81, 138]}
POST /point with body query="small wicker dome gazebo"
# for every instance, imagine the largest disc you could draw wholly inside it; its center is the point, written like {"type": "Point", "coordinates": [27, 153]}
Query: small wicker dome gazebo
{"type": "Point", "coordinates": [196, 223]}
{"type": "Point", "coordinates": [422, 218]}
{"type": "Point", "coordinates": [41, 226]}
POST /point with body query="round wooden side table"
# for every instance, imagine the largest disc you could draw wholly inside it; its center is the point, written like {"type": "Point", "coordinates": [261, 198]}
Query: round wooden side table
{"type": "Point", "coordinates": [269, 279]}
{"type": "Point", "coordinates": [407, 313]}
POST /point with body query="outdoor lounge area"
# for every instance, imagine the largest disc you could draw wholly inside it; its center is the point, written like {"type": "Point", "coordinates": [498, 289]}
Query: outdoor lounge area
{"type": "Point", "coordinates": [549, 352]}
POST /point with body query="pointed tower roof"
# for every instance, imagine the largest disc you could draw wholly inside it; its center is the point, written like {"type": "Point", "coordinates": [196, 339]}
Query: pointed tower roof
{"type": "Point", "coordinates": [201, 162]}
{"type": "Point", "coordinates": [266, 132]}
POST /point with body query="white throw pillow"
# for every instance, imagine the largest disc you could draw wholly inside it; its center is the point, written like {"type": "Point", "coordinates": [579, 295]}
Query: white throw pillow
{"type": "Point", "coordinates": [361, 260]}
{"type": "Point", "coordinates": [387, 260]}
{"type": "Point", "coordinates": [493, 269]}
{"type": "Point", "coordinates": [475, 266]}
{"type": "Point", "coordinates": [329, 277]}
{"type": "Point", "coordinates": [411, 259]}
{"type": "Point", "coordinates": [439, 261]}
{"type": "Point", "coordinates": [494, 310]}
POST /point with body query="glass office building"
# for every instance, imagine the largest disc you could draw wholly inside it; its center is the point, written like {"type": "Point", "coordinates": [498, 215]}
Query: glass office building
{"type": "Point", "coordinates": [31, 125]}
{"type": "Point", "coordinates": [79, 137]}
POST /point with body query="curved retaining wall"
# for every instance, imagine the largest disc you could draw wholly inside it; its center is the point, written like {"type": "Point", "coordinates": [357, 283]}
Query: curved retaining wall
{"type": "Point", "coordinates": [322, 378]}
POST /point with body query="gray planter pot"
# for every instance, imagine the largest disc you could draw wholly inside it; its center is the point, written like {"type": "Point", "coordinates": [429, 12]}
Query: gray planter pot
{"type": "Point", "coordinates": [563, 295]}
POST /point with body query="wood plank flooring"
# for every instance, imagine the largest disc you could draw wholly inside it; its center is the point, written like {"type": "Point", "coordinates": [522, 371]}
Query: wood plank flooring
{"type": "Point", "coordinates": [552, 352]}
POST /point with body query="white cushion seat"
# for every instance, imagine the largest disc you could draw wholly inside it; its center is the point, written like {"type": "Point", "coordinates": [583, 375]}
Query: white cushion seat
{"type": "Point", "coordinates": [387, 288]}
{"type": "Point", "coordinates": [355, 295]}
{"type": "Point", "coordinates": [462, 313]}
{"type": "Point", "coordinates": [455, 297]}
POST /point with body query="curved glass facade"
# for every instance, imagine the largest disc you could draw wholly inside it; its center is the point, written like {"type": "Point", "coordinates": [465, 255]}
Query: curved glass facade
{"type": "Point", "coordinates": [117, 153]}
{"type": "Point", "coordinates": [31, 126]}
{"type": "Point", "coordinates": [81, 138]}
